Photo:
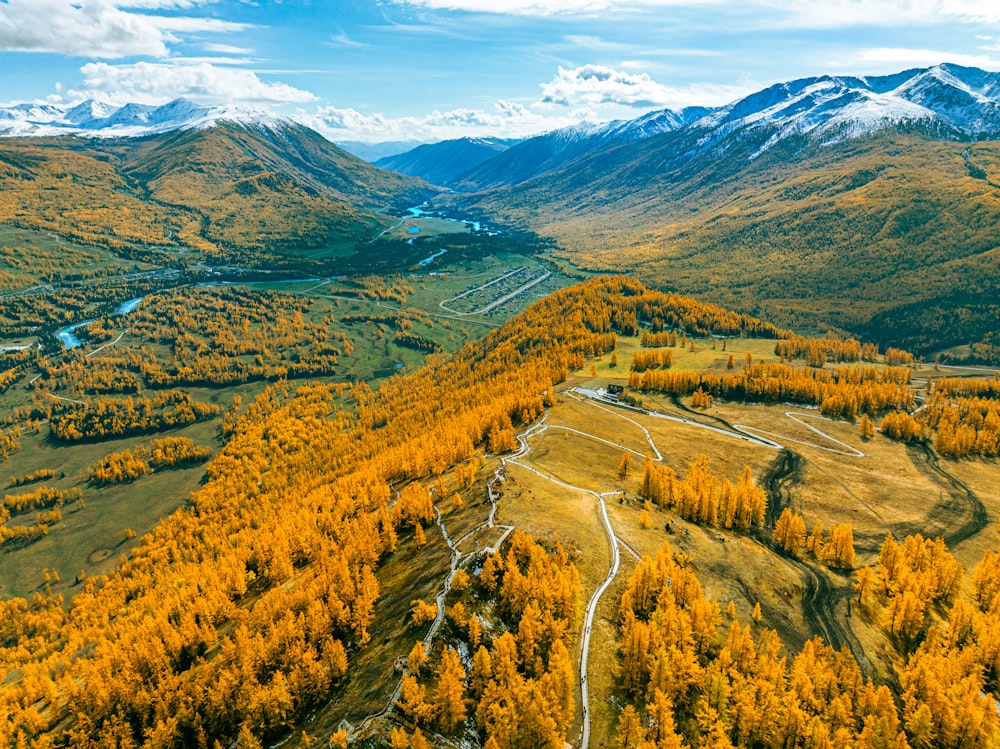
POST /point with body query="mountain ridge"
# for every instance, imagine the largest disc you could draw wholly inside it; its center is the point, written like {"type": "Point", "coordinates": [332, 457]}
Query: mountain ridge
{"type": "Point", "coordinates": [95, 119]}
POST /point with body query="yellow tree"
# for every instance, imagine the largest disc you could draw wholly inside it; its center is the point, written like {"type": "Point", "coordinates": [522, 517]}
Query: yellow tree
{"type": "Point", "coordinates": [867, 427]}
{"type": "Point", "coordinates": [630, 733]}
{"type": "Point", "coordinates": [790, 531]}
{"type": "Point", "coordinates": [449, 693]}
{"type": "Point", "coordinates": [623, 466]}
{"type": "Point", "coordinates": [839, 552]}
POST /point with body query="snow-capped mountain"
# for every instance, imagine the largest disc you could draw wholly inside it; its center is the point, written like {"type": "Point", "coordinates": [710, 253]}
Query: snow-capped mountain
{"type": "Point", "coordinates": [99, 120]}
{"type": "Point", "coordinates": [951, 100]}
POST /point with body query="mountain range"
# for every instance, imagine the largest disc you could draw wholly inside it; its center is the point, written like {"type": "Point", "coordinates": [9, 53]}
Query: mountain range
{"type": "Point", "coordinates": [99, 120]}
{"type": "Point", "coordinates": [827, 200]}
{"type": "Point", "coordinates": [441, 163]}
{"type": "Point", "coordinates": [950, 101]}
{"type": "Point", "coordinates": [822, 201]}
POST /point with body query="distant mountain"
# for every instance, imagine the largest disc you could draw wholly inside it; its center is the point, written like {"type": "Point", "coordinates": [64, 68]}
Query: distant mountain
{"type": "Point", "coordinates": [98, 120]}
{"type": "Point", "coordinates": [251, 189]}
{"type": "Point", "coordinates": [440, 163]}
{"type": "Point", "coordinates": [372, 152]}
{"type": "Point", "coordinates": [830, 199]}
{"type": "Point", "coordinates": [556, 149]}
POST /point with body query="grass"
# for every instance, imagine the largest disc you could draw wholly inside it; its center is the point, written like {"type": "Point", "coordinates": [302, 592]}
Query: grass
{"type": "Point", "coordinates": [91, 538]}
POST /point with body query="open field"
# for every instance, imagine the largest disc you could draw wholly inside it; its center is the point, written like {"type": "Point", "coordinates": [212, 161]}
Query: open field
{"type": "Point", "coordinates": [92, 538]}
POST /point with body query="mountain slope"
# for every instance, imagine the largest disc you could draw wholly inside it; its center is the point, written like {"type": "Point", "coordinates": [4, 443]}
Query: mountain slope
{"type": "Point", "coordinates": [372, 152]}
{"type": "Point", "coordinates": [242, 188]}
{"type": "Point", "coordinates": [554, 150]}
{"type": "Point", "coordinates": [440, 163]}
{"type": "Point", "coordinates": [811, 202]}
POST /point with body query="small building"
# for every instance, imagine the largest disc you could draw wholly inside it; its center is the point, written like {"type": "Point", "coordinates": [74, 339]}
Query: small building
{"type": "Point", "coordinates": [614, 391]}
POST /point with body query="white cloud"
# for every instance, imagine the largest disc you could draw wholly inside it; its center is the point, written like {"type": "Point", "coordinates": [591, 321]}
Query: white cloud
{"type": "Point", "coordinates": [226, 49]}
{"type": "Point", "coordinates": [593, 85]}
{"type": "Point", "coordinates": [341, 39]}
{"type": "Point", "coordinates": [94, 29]}
{"type": "Point", "coordinates": [156, 83]}
{"type": "Point", "coordinates": [99, 28]}
{"type": "Point", "coordinates": [892, 59]}
{"type": "Point", "coordinates": [507, 119]}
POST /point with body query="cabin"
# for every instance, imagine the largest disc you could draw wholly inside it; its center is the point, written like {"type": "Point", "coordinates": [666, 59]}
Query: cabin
{"type": "Point", "coordinates": [614, 391]}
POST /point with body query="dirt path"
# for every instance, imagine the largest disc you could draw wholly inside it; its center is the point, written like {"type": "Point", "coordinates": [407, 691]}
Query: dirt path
{"type": "Point", "coordinates": [945, 514]}
{"type": "Point", "coordinates": [819, 597]}
{"type": "Point", "coordinates": [785, 470]}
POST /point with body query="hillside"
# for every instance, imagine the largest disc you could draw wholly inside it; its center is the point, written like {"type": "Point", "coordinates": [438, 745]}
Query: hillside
{"type": "Point", "coordinates": [337, 565]}
{"type": "Point", "coordinates": [797, 205]}
{"type": "Point", "coordinates": [440, 163]}
{"type": "Point", "coordinates": [551, 151]}
{"type": "Point", "coordinates": [231, 188]}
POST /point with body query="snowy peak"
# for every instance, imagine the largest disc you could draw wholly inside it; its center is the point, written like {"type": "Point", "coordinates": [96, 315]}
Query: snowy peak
{"type": "Point", "coordinates": [949, 99]}
{"type": "Point", "coordinates": [96, 119]}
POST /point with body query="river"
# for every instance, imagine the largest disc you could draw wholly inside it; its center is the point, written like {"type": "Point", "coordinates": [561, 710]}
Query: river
{"type": "Point", "coordinates": [68, 334]}
{"type": "Point", "coordinates": [418, 212]}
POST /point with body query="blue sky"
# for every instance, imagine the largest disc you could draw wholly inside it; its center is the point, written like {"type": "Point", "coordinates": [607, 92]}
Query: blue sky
{"type": "Point", "coordinates": [378, 70]}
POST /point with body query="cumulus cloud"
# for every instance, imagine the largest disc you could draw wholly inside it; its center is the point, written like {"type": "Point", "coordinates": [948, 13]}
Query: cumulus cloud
{"type": "Point", "coordinates": [507, 118]}
{"type": "Point", "coordinates": [592, 85]}
{"type": "Point", "coordinates": [156, 83]}
{"type": "Point", "coordinates": [98, 28]}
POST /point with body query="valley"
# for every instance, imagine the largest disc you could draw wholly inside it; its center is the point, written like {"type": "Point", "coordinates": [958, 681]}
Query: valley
{"type": "Point", "coordinates": [297, 451]}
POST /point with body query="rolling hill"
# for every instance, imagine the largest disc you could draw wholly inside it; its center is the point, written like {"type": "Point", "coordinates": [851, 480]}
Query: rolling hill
{"type": "Point", "coordinates": [822, 201]}
{"type": "Point", "coordinates": [241, 186]}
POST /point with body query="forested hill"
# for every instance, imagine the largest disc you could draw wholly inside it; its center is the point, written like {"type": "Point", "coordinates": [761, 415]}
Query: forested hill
{"type": "Point", "coordinates": [234, 189]}
{"type": "Point", "coordinates": [246, 611]}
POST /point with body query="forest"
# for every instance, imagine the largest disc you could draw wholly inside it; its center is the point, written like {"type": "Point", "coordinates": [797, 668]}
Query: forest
{"type": "Point", "coordinates": [252, 607]}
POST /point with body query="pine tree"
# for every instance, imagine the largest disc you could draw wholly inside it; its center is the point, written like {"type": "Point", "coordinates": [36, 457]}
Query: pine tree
{"type": "Point", "coordinates": [630, 733]}
{"type": "Point", "coordinates": [840, 549]}
{"type": "Point", "coordinates": [398, 739]}
{"type": "Point", "coordinates": [417, 658]}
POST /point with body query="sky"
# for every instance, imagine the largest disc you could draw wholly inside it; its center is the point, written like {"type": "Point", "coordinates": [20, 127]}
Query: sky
{"type": "Point", "coordinates": [427, 70]}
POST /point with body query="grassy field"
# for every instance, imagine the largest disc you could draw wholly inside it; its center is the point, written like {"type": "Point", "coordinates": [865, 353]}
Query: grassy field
{"type": "Point", "coordinates": [92, 538]}
{"type": "Point", "coordinates": [890, 488]}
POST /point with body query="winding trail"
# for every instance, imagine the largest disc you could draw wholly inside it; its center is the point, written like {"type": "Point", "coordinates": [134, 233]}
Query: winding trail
{"type": "Point", "coordinates": [588, 622]}
{"type": "Point", "coordinates": [458, 558]}
{"type": "Point", "coordinates": [848, 451]}
{"type": "Point", "coordinates": [977, 519]}
{"type": "Point", "coordinates": [819, 596]}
